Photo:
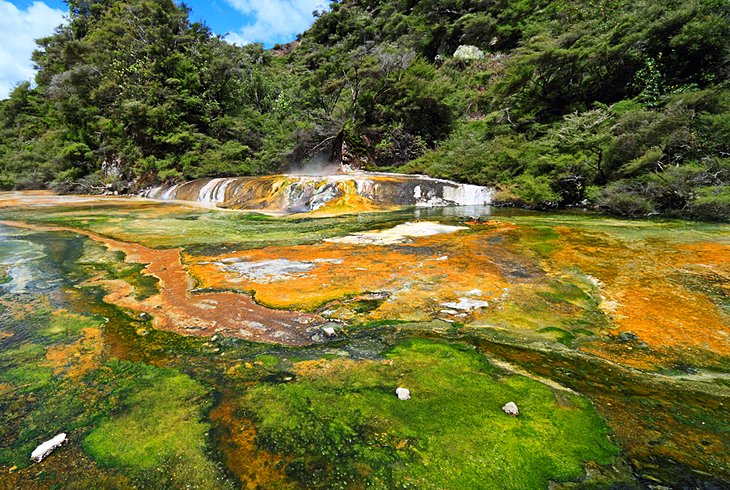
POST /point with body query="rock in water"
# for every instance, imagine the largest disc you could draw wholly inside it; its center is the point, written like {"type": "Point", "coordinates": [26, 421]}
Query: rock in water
{"type": "Point", "coordinates": [511, 409]}
{"type": "Point", "coordinates": [403, 393]}
{"type": "Point", "coordinates": [41, 452]}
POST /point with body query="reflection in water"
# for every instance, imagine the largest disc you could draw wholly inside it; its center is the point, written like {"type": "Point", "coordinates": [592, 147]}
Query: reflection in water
{"type": "Point", "coordinates": [453, 212]}
{"type": "Point", "coordinates": [20, 259]}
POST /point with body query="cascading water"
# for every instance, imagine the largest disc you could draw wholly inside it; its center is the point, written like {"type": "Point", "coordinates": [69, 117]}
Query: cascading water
{"type": "Point", "coordinates": [302, 193]}
{"type": "Point", "coordinates": [214, 191]}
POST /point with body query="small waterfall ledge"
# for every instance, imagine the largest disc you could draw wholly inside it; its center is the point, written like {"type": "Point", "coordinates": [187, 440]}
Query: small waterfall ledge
{"type": "Point", "coordinates": [305, 193]}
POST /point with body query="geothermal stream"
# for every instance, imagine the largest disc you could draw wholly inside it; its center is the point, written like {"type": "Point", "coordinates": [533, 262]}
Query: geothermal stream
{"type": "Point", "coordinates": [303, 193]}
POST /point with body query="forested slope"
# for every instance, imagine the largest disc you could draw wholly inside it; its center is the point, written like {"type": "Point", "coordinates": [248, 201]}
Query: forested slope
{"type": "Point", "coordinates": [622, 104]}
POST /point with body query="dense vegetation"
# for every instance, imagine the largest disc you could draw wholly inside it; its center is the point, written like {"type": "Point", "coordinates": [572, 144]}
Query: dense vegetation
{"type": "Point", "coordinates": [623, 104]}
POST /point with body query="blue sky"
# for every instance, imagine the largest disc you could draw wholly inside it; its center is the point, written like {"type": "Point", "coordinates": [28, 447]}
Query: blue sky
{"type": "Point", "coordinates": [241, 21]}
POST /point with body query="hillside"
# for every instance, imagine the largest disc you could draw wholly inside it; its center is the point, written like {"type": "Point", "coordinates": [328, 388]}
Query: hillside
{"type": "Point", "coordinates": [624, 105]}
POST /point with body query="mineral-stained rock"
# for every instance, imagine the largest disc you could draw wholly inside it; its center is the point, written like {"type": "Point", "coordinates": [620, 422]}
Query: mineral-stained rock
{"type": "Point", "coordinates": [628, 337]}
{"type": "Point", "coordinates": [510, 408]}
{"type": "Point", "coordinates": [403, 393]}
{"type": "Point", "coordinates": [45, 449]}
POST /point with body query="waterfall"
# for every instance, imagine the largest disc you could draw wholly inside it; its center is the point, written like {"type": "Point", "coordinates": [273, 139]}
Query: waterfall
{"type": "Point", "coordinates": [303, 193]}
{"type": "Point", "coordinates": [170, 193]}
{"type": "Point", "coordinates": [214, 192]}
{"type": "Point", "coordinates": [468, 195]}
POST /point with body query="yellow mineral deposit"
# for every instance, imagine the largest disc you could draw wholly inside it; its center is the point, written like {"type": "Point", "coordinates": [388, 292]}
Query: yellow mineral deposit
{"type": "Point", "coordinates": [643, 288]}
{"type": "Point", "coordinates": [421, 268]}
{"type": "Point", "coordinates": [79, 358]}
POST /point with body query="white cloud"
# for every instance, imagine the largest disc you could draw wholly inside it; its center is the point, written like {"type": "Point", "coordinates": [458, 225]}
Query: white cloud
{"type": "Point", "coordinates": [274, 21]}
{"type": "Point", "coordinates": [18, 31]}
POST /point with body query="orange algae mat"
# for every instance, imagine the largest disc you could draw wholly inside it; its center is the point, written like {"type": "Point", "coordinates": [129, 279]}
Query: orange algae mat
{"type": "Point", "coordinates": [645, 302]}
{"type": "Point", "coordinates": [655, 291]}
{"type": "Point", "coordinates": [420, 278]}
{"type": "Point", "coordinates": [648, 290]}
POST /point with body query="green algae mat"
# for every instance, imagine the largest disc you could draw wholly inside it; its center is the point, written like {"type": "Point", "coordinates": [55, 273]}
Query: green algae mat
{"type": "Point", "coordinates": [611, 337]}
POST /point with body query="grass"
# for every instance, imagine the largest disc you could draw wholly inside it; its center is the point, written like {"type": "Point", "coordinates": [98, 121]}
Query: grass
{"type": "Point", "coordinates": [340, 422]}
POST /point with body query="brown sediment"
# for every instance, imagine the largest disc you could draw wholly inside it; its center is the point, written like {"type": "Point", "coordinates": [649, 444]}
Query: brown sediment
{"type": "Point", "coordinates": [625, 354]}
{"type": "Point", "coordinates": [176, 309]}
{"type": "Point", "coordinates": [253, 466]}
{"type": "Point", "coordinates": [68, 467]}
{"type": "Point", "coordinates": [643, 297]}
{"type": "Point", "coordinates": [648, 431]}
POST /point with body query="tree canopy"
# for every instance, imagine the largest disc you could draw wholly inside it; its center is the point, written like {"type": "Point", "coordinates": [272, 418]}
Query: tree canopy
{"type": "Point", "coordinates": [621, 103]}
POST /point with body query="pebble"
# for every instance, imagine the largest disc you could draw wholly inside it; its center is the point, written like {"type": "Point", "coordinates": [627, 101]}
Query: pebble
{"type": "Point", "coordinates": [510, 408]}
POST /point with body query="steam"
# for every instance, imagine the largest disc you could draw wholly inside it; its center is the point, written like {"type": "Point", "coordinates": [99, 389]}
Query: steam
{"type": "Point", "coordinates": [317, 165]}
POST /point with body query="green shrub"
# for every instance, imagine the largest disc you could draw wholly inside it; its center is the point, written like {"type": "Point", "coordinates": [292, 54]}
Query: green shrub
{"type": "Point", "coordinates": [536, 191]}
{"type": "Point", "coordinates": [625, 203]}
{"type": "Point", "coordinates": [712, 203]}
{"type": "Point", "coordinates": [7, 182]}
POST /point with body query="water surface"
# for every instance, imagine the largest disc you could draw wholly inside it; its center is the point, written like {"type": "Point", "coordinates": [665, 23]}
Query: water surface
{"type": "Point", "coordinates": [180, 345]}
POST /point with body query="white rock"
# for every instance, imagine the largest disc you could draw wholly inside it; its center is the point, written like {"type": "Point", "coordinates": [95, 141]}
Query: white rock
{"type": "Point", "coordinates": [329, 331]}
{"type": "Point", "coordinates": [403, 393]}
{"type": "Point", "coordinates": [45, 449]}
{"type": "Point", "coordinates": [510, 408]}
{"type": "Point", "coordinates": [468, 52]}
